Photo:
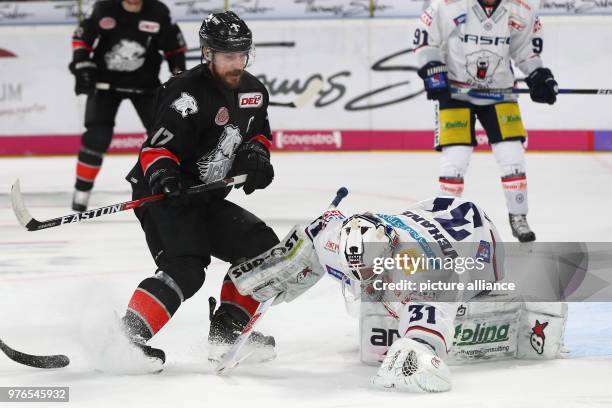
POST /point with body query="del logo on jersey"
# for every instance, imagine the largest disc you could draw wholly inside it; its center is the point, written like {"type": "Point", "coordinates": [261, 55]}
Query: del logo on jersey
{"type": "Point", "coordinates": [250, 100]}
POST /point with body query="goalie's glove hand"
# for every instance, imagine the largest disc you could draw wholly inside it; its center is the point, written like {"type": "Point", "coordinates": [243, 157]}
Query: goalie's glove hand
{"type": "Point", "coordinates": [85, 74]}
{"type": "Point", "coordinates": [253, 159]}
{"type": "Point", "coordinates": [169, 183]}
{"type": "Point", "coordinates": [542, 86]}
{"type": "Point", "coordinates": [434, 75]}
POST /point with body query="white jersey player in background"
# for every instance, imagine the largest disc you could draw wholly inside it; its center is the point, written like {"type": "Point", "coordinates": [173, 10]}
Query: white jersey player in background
{"type": "Point", "coordinates": [471, 44]}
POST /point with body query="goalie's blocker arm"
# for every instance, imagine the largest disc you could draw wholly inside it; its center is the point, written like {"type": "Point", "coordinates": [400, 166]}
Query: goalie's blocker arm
{"type": "Point", "coordinates": [285, 271]}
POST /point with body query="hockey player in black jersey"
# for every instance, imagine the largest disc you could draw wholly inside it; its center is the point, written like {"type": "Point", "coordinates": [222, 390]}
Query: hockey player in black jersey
{"type": "Point", "coordinates": [119, 44]}
{"type": "Point", "coordinates": [211, 122]}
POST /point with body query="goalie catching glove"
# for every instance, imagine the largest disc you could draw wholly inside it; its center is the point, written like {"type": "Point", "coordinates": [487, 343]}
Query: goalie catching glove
{"type": "Point", "coordinates": [285, 271]}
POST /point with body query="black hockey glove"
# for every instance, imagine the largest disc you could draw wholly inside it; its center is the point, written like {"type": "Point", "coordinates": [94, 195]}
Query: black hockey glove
{"type": "Point", "coordinates": [434, 74]}
{"type": "Point", "coordinates": [169, 183]}
{"type": "Point", "coordinates": [253, 159]}
{"type": "Point", "coordinates": [542, 86]}
{"type": "Point", "coordinates": [85, 75]}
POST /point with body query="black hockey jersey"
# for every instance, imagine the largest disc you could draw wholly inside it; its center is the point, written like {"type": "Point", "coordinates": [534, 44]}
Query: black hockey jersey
{"type": "Point", "coordinates": [198, 127]}
{"type": "Point", "coordinates": [126, 46]}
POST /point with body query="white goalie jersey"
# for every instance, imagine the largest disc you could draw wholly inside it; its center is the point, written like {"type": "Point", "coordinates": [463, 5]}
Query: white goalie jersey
{"type": "Point", "coordinates": [478, 48]}
{"type": "Point", "coordinates": [448, 231]}
{"type": "Point", "coordinates": [436, 240]}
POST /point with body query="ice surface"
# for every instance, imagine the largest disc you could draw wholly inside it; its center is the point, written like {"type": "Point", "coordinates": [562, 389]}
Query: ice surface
{"type": "Point", "coordinates": [55, 283]}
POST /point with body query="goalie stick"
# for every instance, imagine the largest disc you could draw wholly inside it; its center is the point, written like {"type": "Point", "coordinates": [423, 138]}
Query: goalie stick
{"type": "Point", "coordinates": [230, 360]}
{"type": "Point", "coordinates": [52, 361]}
{"type": "Point", "coordinates": [32, 224]}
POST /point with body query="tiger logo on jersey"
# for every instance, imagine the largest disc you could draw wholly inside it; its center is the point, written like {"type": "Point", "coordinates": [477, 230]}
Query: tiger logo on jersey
{"type": "Point", "coordinates": [126, 56]}
{"type": "Point", "coordinates": [185, 105]}
{"type": "Point", "coordinates": [217, 163]}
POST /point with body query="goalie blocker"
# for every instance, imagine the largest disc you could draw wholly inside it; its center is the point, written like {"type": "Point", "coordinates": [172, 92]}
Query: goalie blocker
{"type": "Point", "coordinates": [285, 271]}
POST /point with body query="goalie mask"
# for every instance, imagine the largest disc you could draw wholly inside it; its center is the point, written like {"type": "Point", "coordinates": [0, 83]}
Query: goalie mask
{"type": "Point", "coordinates": [363, 238]}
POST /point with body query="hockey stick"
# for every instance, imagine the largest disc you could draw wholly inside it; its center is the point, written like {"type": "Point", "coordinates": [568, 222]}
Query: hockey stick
{"type": "Point", "coordinates": [230, 360]}
{"type": "Point", "coordinates": [32, 224]}
{"type": "Point", "coordinates": [314, 87]}
{"type": "Point", "coordinates": [52, 361]}
{"type": "Point", "coordinates": [500, 92]}
{"type": "Point", "coordinates": [105, 86]}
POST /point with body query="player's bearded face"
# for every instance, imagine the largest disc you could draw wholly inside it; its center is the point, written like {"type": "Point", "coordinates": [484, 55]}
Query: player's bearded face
{"type": "Point", "coordinates": [228, 67]}
{"type": "Point", "coordinates": [133, 4]}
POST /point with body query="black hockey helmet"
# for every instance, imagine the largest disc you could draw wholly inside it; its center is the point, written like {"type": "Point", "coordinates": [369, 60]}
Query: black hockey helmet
{"type": "Point", "coordinates": [225, 32]}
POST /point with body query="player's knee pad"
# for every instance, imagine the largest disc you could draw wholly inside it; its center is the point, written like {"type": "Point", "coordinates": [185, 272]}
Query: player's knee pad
{"type": "Point", "coordinates": [187, 272]}
{"type": "Point", "coordinates": [455, 160]}
{"type": "Point", "coordinates": [97, 137]}
{"type": "Point", "coordinates": [510, 157]}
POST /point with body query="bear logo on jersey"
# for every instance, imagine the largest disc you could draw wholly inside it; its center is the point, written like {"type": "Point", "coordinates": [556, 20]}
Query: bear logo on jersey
{"type": "Point", "coordinates": [185, 105]}
{"type": "Point", "coordinates": [126, 56]}
{"type": "Point", "coordinates": [481, 66]}
{"type": "Point", "coordinates": [216, 164]}
{"type": "Point", "coordinates": [538, 338]}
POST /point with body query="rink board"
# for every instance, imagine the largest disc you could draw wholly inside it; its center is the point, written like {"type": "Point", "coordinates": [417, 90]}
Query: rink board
{"type": "Point", "coordinates": [371, 99]}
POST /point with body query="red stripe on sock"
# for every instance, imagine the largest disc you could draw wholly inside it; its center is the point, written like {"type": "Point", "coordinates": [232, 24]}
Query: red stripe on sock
{"type": "Point", "coordinates": [513, 178]}
{"type": "Point", "coordinates": [150, 309]}
{"type": "Point", "coordinates": [230, 294]}
{"type": "Point", "coordinates": [450, 181]}
{"type": "Point", "coordinates": [87, 172]}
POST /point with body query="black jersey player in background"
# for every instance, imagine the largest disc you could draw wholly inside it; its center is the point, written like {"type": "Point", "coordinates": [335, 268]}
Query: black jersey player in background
{"type": "Point", "coordinates": [119, 43]}
{"type": "Point", "coordinates": [211, 122]}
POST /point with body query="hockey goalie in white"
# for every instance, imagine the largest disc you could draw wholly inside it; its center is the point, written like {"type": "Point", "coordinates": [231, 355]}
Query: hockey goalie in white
{"type": "Point", "coordinates": [351, 249]}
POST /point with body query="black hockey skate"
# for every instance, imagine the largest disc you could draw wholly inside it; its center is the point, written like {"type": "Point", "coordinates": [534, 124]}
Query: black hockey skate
{"type": "Point", "coordinates": [132, 329]}
{"type": "Point", "coordinates": [226, 324]}
{"type": "Point", "coordinates": [151, 352]}
{"type": "Point", "coordinates": [520, 228]}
